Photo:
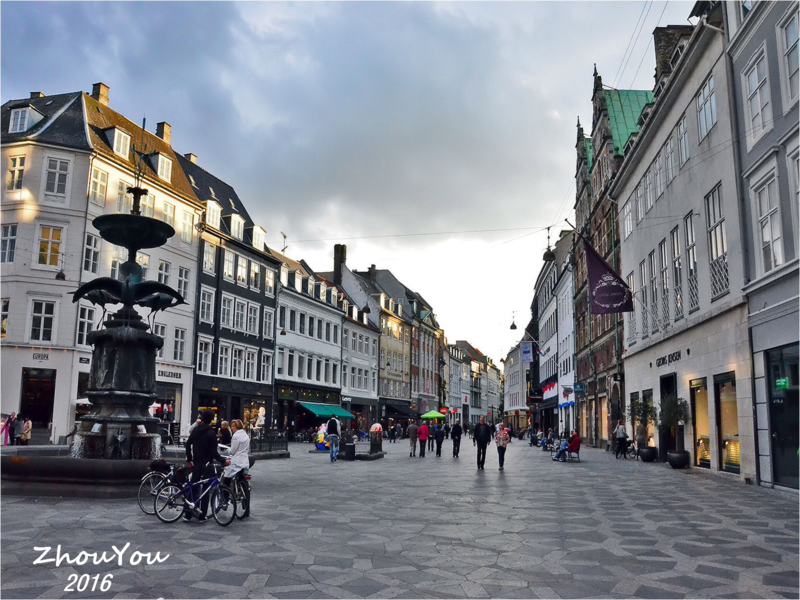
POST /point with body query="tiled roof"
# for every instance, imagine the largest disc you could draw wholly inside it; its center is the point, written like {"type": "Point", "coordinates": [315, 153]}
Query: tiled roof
{"type": "Point", "coordinates": [624, 108]}
{"type": "Point", "coordinates": [58, 128]}
{"type": "Point", "coordinates": [292, 264]}
{"type": "Point", "coordinates": [471, 351]}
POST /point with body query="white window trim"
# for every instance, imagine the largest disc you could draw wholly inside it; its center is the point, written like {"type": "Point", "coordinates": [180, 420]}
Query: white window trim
{"type": "Point", "coordinates": [91, 184]}
{"type": "Point", "coordinates": [122, 135]}
{"type": "Point", "coordinates": [699, 108]}
{"type": "Point", "coordinates": [164, 168]}
{"type": "Point", "coordinates": [218, 355]}
{"type": "Point", "coordinates": [58, 199]}
{"type": "Point", "coordinates": [750, 138]}
{"type": "Point", "coordinates": [237, 220]}
{"type": "Point", "coordinates": [787, 103]}
{"type": "Point", "coordinates": [35, 253]}
{"type": "Point", "coordinates": [29, 319]}
{"type": "Point", "coordinates": [232, 276]}
{"type": "Point", "coordinates": [78, 322]}
{"type": "Point", "coordinates": [271, 334]}
{"type": "Point", "coordinates": [231, 325]}
{"type": "Point", "coordinates": [208, 339]}
{"type": "Point", "coordinates": [271, 355]}
{"type": "Point", "coordinates": [213, 214]}
{"type": "Point", "coordinates": [213, 292]}
{"type": "Point", "coordinates": [259, 318]}
{"type": "Point", "coordinates": [792, 146]}
{"type": "Point", "coordinates": [26, 110]}
{"type": "Point", "coordinates": [267, 292]}
{"type": "Point", "coordinates": [206, 246]}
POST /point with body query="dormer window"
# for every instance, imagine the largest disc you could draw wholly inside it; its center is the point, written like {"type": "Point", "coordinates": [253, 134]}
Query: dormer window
{"type": "Point", "coordinates": [191, 180]}
{"type": "Point", "coordinates": [237, 226]}
{"type": "Point", "coordinates": [391, 304]}
{"type": "Point", "coordinates": [322, 291]}
{"type": "Point", "coordinates": [122, 143]}
{"type": "Point", "coordinates": [258, 238]}
{"type": "Point", "coordinates": [355, 313]}
{"type": "Point", "coordinates": [298, 282]}
{"type": "Point", "coordinates": [284, 276]}
{"type": "Point", "coordinates": [213, 213]}
{"type": "Point", "coordinates": [19, 120]}
{"type": "Point", "coordinates": [164, 167]}
{"type": "Point", "coordinates": [345, 306]}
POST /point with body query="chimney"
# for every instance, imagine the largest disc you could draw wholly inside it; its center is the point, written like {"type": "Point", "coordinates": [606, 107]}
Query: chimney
{"type": "Point", "coordinates": [192, 158]}
{"type": "Point", "coordinates": [37, 95]}
{"type": "Point", "coordinates": [339, 260]}
{"type": "Point", "coordinates": [163, 130]}
{"type": "Point", "coordinates": [100, 93]}
{"type": "Point", "coordinates": [371, 273]}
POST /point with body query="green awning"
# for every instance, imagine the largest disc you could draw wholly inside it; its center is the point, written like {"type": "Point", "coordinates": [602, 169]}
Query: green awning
{"type": "Point", "coordinates": [433, 414]}
{"type": "Point", "coordinates": [327, 410]}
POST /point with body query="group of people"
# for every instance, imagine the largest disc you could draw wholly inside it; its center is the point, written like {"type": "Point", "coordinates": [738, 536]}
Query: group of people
{"type": "Point", "coordinates": [15, 430]}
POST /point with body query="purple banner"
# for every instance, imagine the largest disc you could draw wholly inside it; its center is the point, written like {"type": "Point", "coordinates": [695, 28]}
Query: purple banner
{"type": "Point", "coordinates": [607, 292]}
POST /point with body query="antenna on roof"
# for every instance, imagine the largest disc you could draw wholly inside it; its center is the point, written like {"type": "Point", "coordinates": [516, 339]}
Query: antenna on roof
{"type": "Point", "coordinates": [283, 250]}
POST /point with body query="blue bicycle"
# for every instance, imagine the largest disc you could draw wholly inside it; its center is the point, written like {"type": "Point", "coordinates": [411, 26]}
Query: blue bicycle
{"type": "Point", "coordinates": [172, 500]}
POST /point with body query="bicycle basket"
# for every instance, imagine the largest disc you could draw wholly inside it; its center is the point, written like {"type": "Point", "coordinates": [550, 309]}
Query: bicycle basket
{"type": "Point", "coordinates": [160, 465]}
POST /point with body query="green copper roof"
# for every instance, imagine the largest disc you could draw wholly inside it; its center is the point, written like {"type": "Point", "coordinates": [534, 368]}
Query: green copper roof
{"type": "Point", "coordinates": [587, 144]}
{"type": "Point", "coordinates": [624, 108]}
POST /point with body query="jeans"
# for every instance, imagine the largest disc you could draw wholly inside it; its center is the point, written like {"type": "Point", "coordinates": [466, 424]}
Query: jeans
{"type": "Point", "coordinates": [622, 447]}
{"type": "Point", "coordinates": [561, 454]}
{"type": "Point", "coordinates": [456, 444]}
{"type": "Point", "coordinates": [481, 455]}
{"type": "Point", "coordinates": [422, 444]}
{"type": "Point", "coordinates": [501, 455]}
{"type": "Point", "coordinates": [430, 443]}
{"type": "Point", "coordinates": [413, 442]}
{"type": "Point", "coordinates": [333, 442]}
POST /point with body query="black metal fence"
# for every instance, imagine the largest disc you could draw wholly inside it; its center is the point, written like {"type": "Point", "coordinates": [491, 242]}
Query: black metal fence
{"type": "Point", "coordinates": [268, 442]}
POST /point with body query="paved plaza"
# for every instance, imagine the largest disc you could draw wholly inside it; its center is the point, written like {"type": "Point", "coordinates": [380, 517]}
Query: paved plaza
{"type": "Point", "coordinates": [433, 528]}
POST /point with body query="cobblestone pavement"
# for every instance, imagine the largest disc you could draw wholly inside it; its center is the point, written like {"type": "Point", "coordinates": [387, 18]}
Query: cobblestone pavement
{"type": "Point", "coordinates": [435, 527]}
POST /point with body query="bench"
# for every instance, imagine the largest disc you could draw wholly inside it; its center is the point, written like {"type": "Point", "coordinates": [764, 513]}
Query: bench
{"type": "Point", "coordinates": [571, 456]}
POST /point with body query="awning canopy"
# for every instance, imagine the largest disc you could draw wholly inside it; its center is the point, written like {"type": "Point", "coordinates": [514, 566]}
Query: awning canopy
{"type": "Point", "coordinates": [327, 410]}
{"type": "Point", "coordinates": [403, 410]}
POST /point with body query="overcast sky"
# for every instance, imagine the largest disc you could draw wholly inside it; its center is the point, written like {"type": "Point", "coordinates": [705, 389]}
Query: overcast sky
{"type": "Point", "coordinates": [366, 123]}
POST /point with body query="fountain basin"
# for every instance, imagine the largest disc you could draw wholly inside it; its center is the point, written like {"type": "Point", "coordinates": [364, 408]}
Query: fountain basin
{"type": "Point", "coordinates": [133, 231]}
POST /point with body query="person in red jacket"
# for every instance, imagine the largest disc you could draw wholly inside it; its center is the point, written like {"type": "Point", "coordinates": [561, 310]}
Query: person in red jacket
{"type": "Point", "coordinates": [422, 434]}
{"type": "Point", "coordinates": [573, 445]}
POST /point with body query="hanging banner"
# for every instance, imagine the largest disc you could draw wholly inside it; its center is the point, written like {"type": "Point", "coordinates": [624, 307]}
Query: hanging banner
{"type": "Point", "coordinates": [526, 349]}
{"type": "Point", "coordinates": [607, 292]}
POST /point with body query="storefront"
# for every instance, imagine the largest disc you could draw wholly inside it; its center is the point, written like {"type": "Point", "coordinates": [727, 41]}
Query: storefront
{"type": "Point", "coordinates": [364, 410]}
{"type": "Point", "coordinates": [397, 411]}
{"type": "Point", "coordinates": [229, 399]}
{"type": "Point", "coordinates": [709, 366]}
{"type": "Point", "coordinates": [290, 417]}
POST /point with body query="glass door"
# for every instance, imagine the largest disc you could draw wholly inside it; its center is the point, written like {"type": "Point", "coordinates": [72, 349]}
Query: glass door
{"type": "Point", "coordinates": [727, 422]}
{"type": "Point", "coordinates": [702, 442]}
{"type": "Point", "coordinates": [783, 409]}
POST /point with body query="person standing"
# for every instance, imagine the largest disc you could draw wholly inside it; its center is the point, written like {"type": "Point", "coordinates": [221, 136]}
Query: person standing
{"type": "Point", "coordinates": [225, 434]}
{"type": "Point", "coordinates": [431, 434]}
{"type": "Point", "coordinates": [26, 432]}
{"type": "Point", "coordinates": [439, 440]}
{"type": "Point", "coordinates": [240, 459]}
{"type": "Point", "coordinates": [481, 437]}
{"type": "Point", "coordinates": [19, 428]}
{"type": "Point", "coordinates": [412, 433]}
{"type": "Point", "coordinates": [622, 440]}
{"type": "Point", "coordinates": [456, 438]}
{"type": "Point", "coordinates": [334, 429]}
{"type": "Point", "coordinates": [422, 434]}
{"type": "Point", "coordinates": [8, 430]}
{"type": "Point", "coordinates": [201, 449]}
{"type": "Point", "coordinates": [446, 430]}
{"type": "Point", "coordinates": [502, 439]}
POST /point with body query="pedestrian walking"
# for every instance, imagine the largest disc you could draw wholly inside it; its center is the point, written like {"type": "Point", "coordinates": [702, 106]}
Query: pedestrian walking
{"type": "Point", "coordinates": [439, 441]}
{"type": "Point", "coordinates": [422, 434]}
{"type": "Point", "coordinates": [392, 435]}
{"type": "Point", "coordinates": [26, 432]}
{"type": "Point", "coordinates": [446, 430]}
{"type": "Point", "coordinates": [431, 435]}
{"type": "Point", "coordinates": [481, 437]}
{"type": "Point", "coordinates": [412, 432]}
{"type": "Point", "coordinates": [456, 438]}
{"type": "Point", "coordinates": [622, 440]}
{"type": "Point", "coordinates": [333, 429]}
{"type": "Point", "coordinates": [502, 440]}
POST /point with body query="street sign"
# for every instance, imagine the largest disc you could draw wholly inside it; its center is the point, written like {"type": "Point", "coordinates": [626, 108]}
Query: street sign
{"type": "Point", "coordinates": [782, 383]}
{"type": "Point", "coordinates": [526, 348]}
{"type": "Point", "coordinates": [579, 388]}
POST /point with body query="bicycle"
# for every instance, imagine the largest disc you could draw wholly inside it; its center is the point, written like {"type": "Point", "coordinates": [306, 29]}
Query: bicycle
{"type": "Point", "coordinates": [160, 472]}
{"type": "Point", "coordinates": [241, 492]}
{"type": "Point", "coordinates": [631, 452]}
{"type": "Point", "coordinates": [172, 500]}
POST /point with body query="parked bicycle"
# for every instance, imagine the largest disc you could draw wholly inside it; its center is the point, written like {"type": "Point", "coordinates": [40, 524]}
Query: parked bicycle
{"type": "Point", "coordinates": [241, 492]}
{"type": "Point", "coordinates": [174, 498]}
{"type": "Point", "coordinates": [160, 473]}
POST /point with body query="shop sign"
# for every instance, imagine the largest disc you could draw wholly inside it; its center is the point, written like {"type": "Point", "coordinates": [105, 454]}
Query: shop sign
{"type": "Point", "coordinates": [443, 411]}
{"type": "Point", "coordinates": [616, 377]}
{"type": "Point", "coordinates": [454, 410]}
{"type": "Point", "coordinates": [346, 399]}
{"type": "Point", "coordinates": [83, 360]}
{"type": "Point", "coordinates": [169, 374]}
{"type": "Point", "coordinates": [41, 356]}
{"type": "Point", "coordinates": [668, 359]}
{"type": "Point", "coordinates": [579, 388]}
{"type": "Point", "coordinates": [782, 383]}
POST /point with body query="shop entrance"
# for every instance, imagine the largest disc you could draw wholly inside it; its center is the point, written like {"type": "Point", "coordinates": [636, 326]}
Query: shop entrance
{"type": "Point", "coordinates": [666, 437]}
{"type": "Point", "coordinates": [38, 394]}
{"type": "Point", "coordinates": [783, 409]}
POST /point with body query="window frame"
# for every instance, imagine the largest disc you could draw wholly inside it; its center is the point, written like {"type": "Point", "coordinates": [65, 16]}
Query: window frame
{"type": "Point", "coordinates": [187, 227]}
{"type": "Point", "coordinates": [56, 197]}
{"type": "Point", "coordinates": [164, 167]}
{"type": "Point", "coordinates": [201, 340]}
{"type": "Point", "coordinates": [80, 331]}
{"type": "Point", "coordinates": [96, 184]}
{"type": "Point", "coordinates": [122, 139]}
{"type": "Point", "coordinates": [8, 242]}
{"type": "Point", "coordinates": [752, 137]}
{"type": "Point", "coordinates": [91, 253]}
{"type": "Point", "coordinates": [38, 232]}
{"type": "Point", "coordinates": [164, 271]}
{"type": "Point", "coordinates": [788, 101]}
{"type": "Point", "coordinates": [683, 141]}
{"type": "Point", "coordinates": [179, 342]}
{"type": "Point", "coordinates": [53, 341]}
{"type": "Point", "coordinates": [206, 290]}
{"type": "Point", "coordinates": [268, 332]}
{"type": "Point", "coordinates": [184, 279]}
{"type": "Point", "coordinates": [21, 124]}
{"type": "Point", "coordinates": [209, 256]}
{"type": "Point", "coordinates": [213, 214]}
{"type": "Point", "coordinates": [706, 106]}
{"type": "Point", "coordinates": [15, 173]}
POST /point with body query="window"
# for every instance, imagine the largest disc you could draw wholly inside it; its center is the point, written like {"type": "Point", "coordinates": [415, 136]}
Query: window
{"type": "Point", "coordinates": [335, 334]}
{"type": "Point", "coordinates": [207, 306]}
{"type": "Point", "coordinates": [374, 348]}
{"type": "Point", "coordinates": [124, 199]}
{"type": "Point", "coordinates": [57, 172]}
{"type": "Point", "coordinates": [653, 290]}
{"type": "Point", "coordinates": [164, 167]}
{"type": "Point", "coordinates": [213, 213]}
{"type": "Point", "coordinates": [239, 315]}
{"type": "Point", "coordinates": [292, 320]}
{"type": "Point", "coordinates": [643, 289]}
{"type": "Point", "coordinates": [683, 141]}
{"type": "Point", "coordinates": [147, 205]}
{"type": "Point", "coordinates": [310, 326]}
{"type": "Point", "coordinates": [18, 121]}
{"type": "Point", "coordinates": [640, 201]}
{"type": "Point", "coordinates": [237, 363]}
{"type": "Point", "coordinates": [255, 275]}
{"type": "Point", "coordinates": [353, 341]}
{"type": "Point", "coordinates": [9, 243]}
{"type": "Point", "coordinates": [282, 317]}
{"type": "Point", "coordinates": [279, 366]}
{"type": "Point", "coordinates": [99, 187]}
{"type": "Point", "coordinates": [677, 274]}
{"type": "Point", "coordinates": [344, 375]}
{"type": "Point", "coordinates": [789, 64]}
{"type": "Point", "coordinates": [6, 303]}
{"type": "Point", "coordinates": [759, 109]}
{"type": "Point", "coordinates": [250, 365]}
{"type": "Point", "coordinates": [91, 253]}
{"type": "Point", "coordinates": [327, 371]}
{"type": "Point", "coordinates": [258, 238]}
{"type": "Point", "coordinates": [266, 368]}
{"type": "Point", "coordinates": [237, 226]}
{"type": "Point", "coordinates": [122, 142]}
{"type": "Point", "coordinates": [85, 324]}
{"type": "Point", "coordinates": [664, 261]}
{"type": "Point", "coordinates": [168, 214]}
{"type": "Point", "coordinates": [361, 344]}
{"type": "Point", "coordinates": [204, 356]}
{"type": "Point", "coordinates": [669, 158]}
{"type": "Point", "coordinates": [769, 224]}
{"type": "Point", "coordinates": [650, 190]}
{"type": "Point", "coordinates": [691, 262]}
{"type": "Point", "coordinates": [706, 108]}
{"type": "Point", "coordinates": [118, 256]}
{"type": "Point", "coordinates": [163, 272]}
{"type": "Point", "coordinates": [269, 324]}
{"type": "Point", "coordinates": [269, 282]}
{"type": "Point", "coordinates": [327, 332]}
{"type": "Point", "coordinates": [252, 319]}
{"type": "Point", "coordinates": [160, 330]}
{"type": "Point", "coordinates": [290, 365]}
{"type": "Point", "coordinates": [42, 320]}
{"type": "Point", "coordinates": [227, 269]}
{"type": "Point", "coordinates": [309, 369]}
{"type": "Point", "coordinates": [179, 344]}
{"type": "Point", "coordinates": [319, 329]}
{"type": "Point", "coordinates": [144, 262]}
{"type": "Point", "coordinates": [319, 370]}
{"type": "Point", "coordinates": [208, 258]}
{"type": "Point", "coordinates": [717, 243]}
{"type": "Point", "coordinates": [49, 245]}
{"type": "Point", "coordinates": [188, 227]}
{"type": "Point", "coordinates": [241, 270]}
{"type": "Point", "coordinates": [226, 312]}
{"type": "Point", "coordinates": [745, 6]}
{"type": "Point", "coordinates": [183, 282]}
{"type": "Point", "coordinates": [224, 360]}
{"type": "Point", "coordinates": [16, 169]}
{"type": "Point", "coordinates": [659, 166]}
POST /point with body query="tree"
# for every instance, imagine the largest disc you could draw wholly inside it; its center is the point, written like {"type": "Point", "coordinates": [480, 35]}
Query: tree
{"type": "Point", "coordinates": [672, 412]}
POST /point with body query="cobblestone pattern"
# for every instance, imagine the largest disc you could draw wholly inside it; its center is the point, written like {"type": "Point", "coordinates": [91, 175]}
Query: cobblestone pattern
{"type": "Point", "coordinates": [434, 528]}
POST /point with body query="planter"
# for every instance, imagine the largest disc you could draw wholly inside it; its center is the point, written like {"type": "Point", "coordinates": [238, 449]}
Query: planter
{"type": "Point", "coordinates": [648, 454]}
{"type": "Point", "coordinates": [678, 460]}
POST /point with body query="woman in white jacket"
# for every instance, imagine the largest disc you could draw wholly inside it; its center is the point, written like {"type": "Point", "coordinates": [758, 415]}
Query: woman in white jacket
{"type": "Point", "coordinates": [239, 457]}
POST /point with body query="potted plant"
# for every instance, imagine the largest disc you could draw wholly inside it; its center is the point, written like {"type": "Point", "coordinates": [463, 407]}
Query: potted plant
{"type": "Point", "coordinates": [640, 414]}
{"type": "Point", "coordinates": [673, 412]}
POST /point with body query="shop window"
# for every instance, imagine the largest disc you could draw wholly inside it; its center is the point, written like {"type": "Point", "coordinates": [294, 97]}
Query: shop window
{"type": "Point", "coordinates": [728, 422]}
{"type": "Point", "coordinates": [783, 408]}
{"type": "Point", "coordinates": [702, 440]}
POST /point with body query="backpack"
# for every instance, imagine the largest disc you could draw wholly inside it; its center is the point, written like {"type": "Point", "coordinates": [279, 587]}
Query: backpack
{"type": "Point", "coordinates": [333, 427]}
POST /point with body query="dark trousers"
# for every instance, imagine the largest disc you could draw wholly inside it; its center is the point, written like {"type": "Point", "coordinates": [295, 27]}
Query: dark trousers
{"type": "Point", "coordinates": [422, 445]}
{"type": "Point", "coordinates": [501, 455]}
{"type": "Point", "coordinates": [456, 445]}
{"type": "Point", "coordinates": [622, 447]}
{"type": "Point", "coordinates": [430, 443]}
{"type": "Point", "coordinates": [197, 489]}
{"type": "Point", "coordinates": [438, 448]}
{"type": "Point", "coordinates": [481, 454]}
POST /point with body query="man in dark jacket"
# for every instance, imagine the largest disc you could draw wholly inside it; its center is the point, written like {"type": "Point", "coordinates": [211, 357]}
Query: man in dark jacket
{"type": "Point", "coordinates": [439, 440]}
{"type": "Point", "coordinates": [201, 449]}
{"type": "Point", "coordinates": [456, 432]}
{"type": "Point", "coordinates": [481, 438]}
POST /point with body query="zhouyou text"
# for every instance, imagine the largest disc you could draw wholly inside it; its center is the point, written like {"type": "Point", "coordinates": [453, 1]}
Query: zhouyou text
{"type": "Point", "coordinates": [84, 557]}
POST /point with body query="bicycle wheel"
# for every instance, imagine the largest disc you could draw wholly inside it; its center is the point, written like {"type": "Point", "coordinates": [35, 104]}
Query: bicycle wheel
{"type": "Point", "coordinates": [147, 491]}
{"type": "Point", "coordinates": [169, 503]}
{"type": "Point", "coordinates": [240, 491]}
{"type": "Point", "coordinates": [223, 505]}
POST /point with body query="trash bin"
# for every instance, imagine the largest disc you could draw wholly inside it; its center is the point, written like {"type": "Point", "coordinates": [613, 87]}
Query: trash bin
{"type": "Point", "coordinates": [350, 451]}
